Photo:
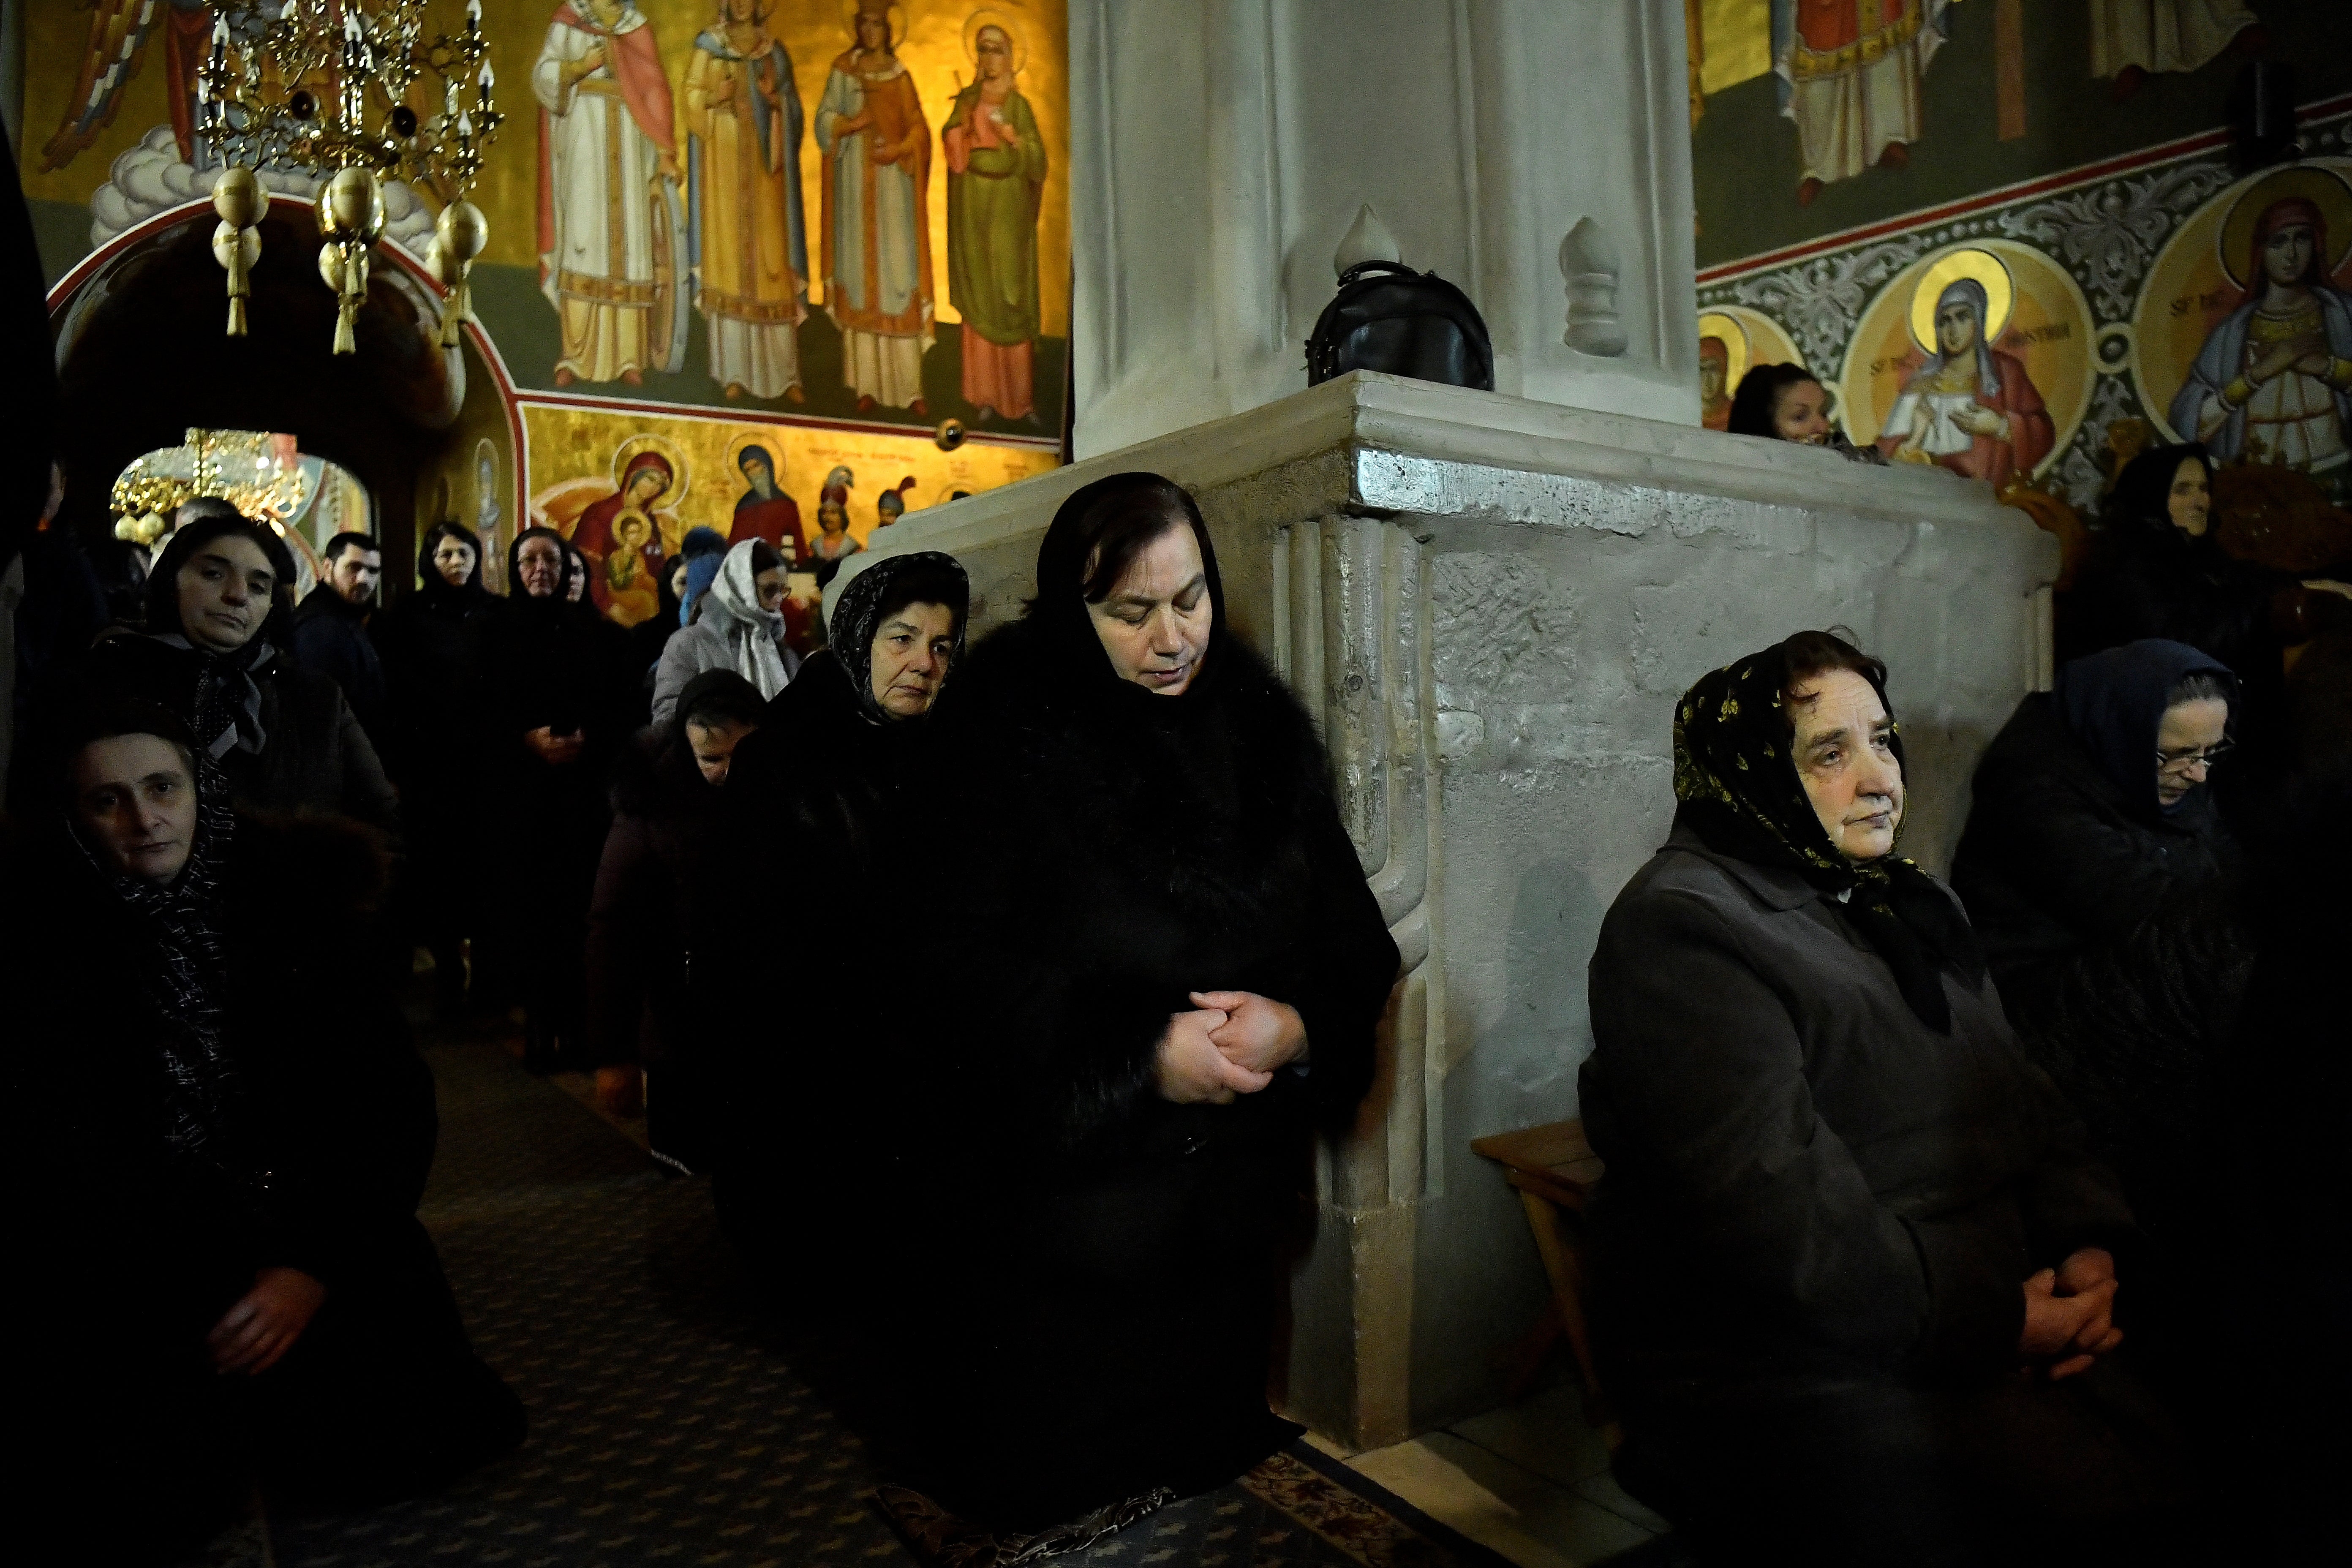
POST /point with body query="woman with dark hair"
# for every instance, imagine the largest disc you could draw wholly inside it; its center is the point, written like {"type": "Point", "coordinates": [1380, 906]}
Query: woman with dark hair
{"type": "Point", "coordinates": [660, 919]}
{"type": "Point", "coordinates": [217, 608]}
{"type": "Point", "coordinates": [231, 1206]}
{"type": "Point", "coordinates": [738, 625]}
{"type": "Point", "coordinates": [1788, 403]}
{"type": "Point", "coordinates": [2162, 573]}
{"type": "Point", "coordinates": [1843, 1207]}
{"type": "Point", "coordinates": [1183, 967]}
{"type": "Point", "coordinates": [559, 710]}
{"type": "Point", "coordinates": [431, 643]}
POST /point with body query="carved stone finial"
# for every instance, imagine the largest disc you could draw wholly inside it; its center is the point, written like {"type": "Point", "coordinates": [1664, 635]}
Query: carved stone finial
{"type": "Point", "coordinates": [1368, 239]}
{"type": "Point", "coordinates": [1588, 259]}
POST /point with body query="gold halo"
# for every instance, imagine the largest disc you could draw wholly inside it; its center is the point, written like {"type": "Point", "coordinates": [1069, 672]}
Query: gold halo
{"type": "Point", "coordinates": [1990, 270]}
{"type": "Point", "coordinates": [987, 16]}
{"type": "Point", "coordinates": [851, 12]}
{"type": "Point", "coordinates": [1734, 337]}
{"type": "Point", "coordinates": [764, 438]}
{"type": "Point", "coordinates": [2321, 187]}
{"type": "Point", "coordinates": [667, 449]}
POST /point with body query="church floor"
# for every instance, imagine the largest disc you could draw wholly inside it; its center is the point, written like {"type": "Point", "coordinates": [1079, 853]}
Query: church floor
{"type": "Point", "coordinates": [667, 1424]}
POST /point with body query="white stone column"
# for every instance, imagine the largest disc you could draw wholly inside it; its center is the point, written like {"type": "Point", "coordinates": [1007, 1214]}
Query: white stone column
{"type": "Point", "coordinates": [1535, 152]}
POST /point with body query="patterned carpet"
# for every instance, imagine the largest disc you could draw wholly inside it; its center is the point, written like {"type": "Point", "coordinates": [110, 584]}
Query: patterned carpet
{"type": "Point", "coordinates": [666, 1424]}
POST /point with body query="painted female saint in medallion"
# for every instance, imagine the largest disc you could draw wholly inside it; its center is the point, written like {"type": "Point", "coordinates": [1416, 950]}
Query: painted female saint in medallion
{"type": "Point", "coordinates": [1978, 356]}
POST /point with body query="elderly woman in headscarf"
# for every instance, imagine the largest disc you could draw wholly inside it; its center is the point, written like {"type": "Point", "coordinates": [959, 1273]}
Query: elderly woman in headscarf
{"type": "Point", "coordinates": [840, 791]}
{"type": "Point", "coordinates": [661, 915]}
{"type": "Point", "coordinates": [284, 738]}
{"type": "Point", "coordinates": [1166, 976]}
{"type": "Point", "coordinates": [2100, 875]}
{"type": "Point", "coordinates": [738, 625]}
{"type": "Point", "coordinates": [228, 1198]}
{"type": "Point", "coordinates": [1971, 408]}
{"type": "Point", "coordinates": [1843, 1208]}
{"type": "Point", "coordinates": [431, 641]}
{"type": "Point", "coordinates": [559, 712]}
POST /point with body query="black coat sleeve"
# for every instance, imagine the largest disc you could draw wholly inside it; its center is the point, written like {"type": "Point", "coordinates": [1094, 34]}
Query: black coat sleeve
{"type": "Point", "coordinates": [1696, 1089]}
{"type": "Point", "coordinates": [626, 924]}
{"type": "Point", "coordinates": [1341, 986]}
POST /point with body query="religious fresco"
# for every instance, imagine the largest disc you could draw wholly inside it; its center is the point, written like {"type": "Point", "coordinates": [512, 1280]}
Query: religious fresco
{"type": "Point", "coordinates": [1976, 358]}
{"type": "Point", "coordinates": [1732, 341]}
{"type": "Point", "coordinates": [852, 209]}
{"type": "Point", "coordinates": [625, 487]}
{"type": "Point", "coordinates": [1812, 117]}
{"type": "Point", "coordinates": [2003, 337]}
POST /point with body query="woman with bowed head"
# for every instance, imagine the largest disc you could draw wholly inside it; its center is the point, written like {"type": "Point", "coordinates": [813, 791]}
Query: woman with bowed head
{"type": "Point", "coordinates": [659, 929]}
{"type": "Point", "coordinates": [1165, 980]}
{"type": "Point", "coordinates": [738, 625]}
{"type": "Point", "coordinates": [283, 737]}
{"type": "Point", "coordinates": [1855, 1275]}
{"type": "Point", "coordinates": [231, 1206]}
{"type": "Point", "coordinates": [840, 790]}
{"type": "Point", "coordinates": [432, 646]}
{"type": "Point", "coordinates": [559, 711]}
{"type": "Point", "coordinates": [2099, 871]}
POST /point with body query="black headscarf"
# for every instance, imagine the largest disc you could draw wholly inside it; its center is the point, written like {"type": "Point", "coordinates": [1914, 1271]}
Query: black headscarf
{"type": "Point", "coordinates": [1059, 611]}
{"type": "Point", "coordinates": [224, 705]}
{"type": "Point", "coordinates": [183, 962]}
{"type": "Point", "coordinates": [557, 606]}
{"type": "Point", "coordinates": [2141, 500]}
{"type": "Point", "coordinates": [1736, 778]}
{"type": "Point", "coordinates": [2113, 703]}
{"type": "Point", "coordinates": [858, 615]}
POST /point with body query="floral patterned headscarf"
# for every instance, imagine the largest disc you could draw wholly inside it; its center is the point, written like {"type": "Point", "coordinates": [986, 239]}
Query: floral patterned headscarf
{"type": "Point", "coordinates": [1737, 783]}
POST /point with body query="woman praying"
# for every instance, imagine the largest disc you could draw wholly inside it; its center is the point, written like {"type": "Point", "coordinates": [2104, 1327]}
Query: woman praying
{"type": "Point", "coordinates": [1164, 977]}
{"type": "Point", "coordinates": [738, 625]}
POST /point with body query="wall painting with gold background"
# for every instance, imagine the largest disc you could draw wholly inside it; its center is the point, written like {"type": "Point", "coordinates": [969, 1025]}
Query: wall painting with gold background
{"type": "Point", "coordinates": [835, 223]}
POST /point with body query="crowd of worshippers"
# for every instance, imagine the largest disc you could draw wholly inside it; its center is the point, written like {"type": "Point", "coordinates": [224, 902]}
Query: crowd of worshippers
{"type": "Point", "coordinates": [1937, 1222]}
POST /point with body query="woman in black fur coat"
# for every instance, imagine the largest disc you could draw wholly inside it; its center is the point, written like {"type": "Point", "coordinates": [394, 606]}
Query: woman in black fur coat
{"type": "Point", "coordinates": [1168, 978]}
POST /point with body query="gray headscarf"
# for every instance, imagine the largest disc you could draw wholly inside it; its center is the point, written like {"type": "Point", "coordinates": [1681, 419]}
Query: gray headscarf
{"type": "Point", "coordinates": [858, 615]}
{"type": "Point", "coordinates": [1972, 293]}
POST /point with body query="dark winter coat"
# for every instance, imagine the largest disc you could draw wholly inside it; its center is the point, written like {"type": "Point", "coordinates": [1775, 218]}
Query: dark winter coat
{"type": "Point", "coordinates": [2055, 859]}
{"type": "Point", "coordinates": [1117, 850]}
{"type": "Point", "coordinates": [1803, 1180]}
{"type": "Point", "coordinates": [431, 645]}
{"type": "Point", "coordinates": [333, 1127]}
{"type": "Point", "coordinates": [314, 757]}
{"type": "Point", "coordinates": [331, 639]}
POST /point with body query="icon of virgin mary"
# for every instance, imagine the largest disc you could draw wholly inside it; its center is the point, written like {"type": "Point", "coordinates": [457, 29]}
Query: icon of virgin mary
{"type": "Point", "coordinates": [1971, 408]}
{"type": "Point", "coordinates": [621, 540]}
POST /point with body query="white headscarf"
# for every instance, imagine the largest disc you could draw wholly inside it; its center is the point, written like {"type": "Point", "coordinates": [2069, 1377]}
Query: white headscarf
{"type": "Point", "coordinates": [731, 608]}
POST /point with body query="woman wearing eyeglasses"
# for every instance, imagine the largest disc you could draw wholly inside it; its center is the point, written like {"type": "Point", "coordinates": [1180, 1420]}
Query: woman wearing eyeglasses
{"type": "Point", "coordinates": [2098, 874]}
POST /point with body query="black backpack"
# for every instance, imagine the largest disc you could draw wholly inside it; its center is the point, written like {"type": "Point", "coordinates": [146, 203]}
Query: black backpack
{"type": "Point", "coordinates": [1389, 317]}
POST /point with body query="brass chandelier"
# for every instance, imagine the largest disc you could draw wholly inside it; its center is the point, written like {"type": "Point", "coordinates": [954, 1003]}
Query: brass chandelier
{"type": "Point", "coordinates": [323, 85]}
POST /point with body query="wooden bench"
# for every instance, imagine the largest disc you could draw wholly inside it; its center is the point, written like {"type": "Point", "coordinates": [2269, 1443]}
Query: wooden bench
{"type": "Point", "coordinates": [1555, 1171]}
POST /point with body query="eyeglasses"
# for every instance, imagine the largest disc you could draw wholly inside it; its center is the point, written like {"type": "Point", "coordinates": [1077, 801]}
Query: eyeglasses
{"type": "Point", "coordinates": [2182, 761]}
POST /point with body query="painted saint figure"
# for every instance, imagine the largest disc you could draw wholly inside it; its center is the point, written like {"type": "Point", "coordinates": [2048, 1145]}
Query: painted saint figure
{"type": "Point", "coordinates": [744, 149]}
{"type": "Point", "coordinates": [996, 180]}
{"type": "Point", "coordinates": [2275, 379]}
{"type": "Point", "coordinates": [605, 136]}
{"type": "Point", "coordinates": [1971, 408]}
{"type": "Point", "coordinates": [1850, 73]}
{"type": "Point", "coordinates": [878, 238]}
{"type": "Point", "coordinates": [2132, 39]}
{"type": "Point", "coordinates": [1714, 390]}
{"type": "Point", "coordinates": [764, 511]}
{"type": "Point", "coordinates": [834, 543]}
{"type": "Point", "coordinates": [607, 536]}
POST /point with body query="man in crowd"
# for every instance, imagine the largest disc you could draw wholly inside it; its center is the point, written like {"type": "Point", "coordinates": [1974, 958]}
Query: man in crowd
{"type": "Point", "coordinates": [331, 630]}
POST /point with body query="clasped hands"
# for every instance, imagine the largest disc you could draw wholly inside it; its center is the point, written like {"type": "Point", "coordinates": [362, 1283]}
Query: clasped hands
{"type": "Point", "coordinates": [253, 1335]}
{"type": "Point", "coordinates": [2070, 1313]}
{"type": "Point", "coordinates": [1232, 1046]}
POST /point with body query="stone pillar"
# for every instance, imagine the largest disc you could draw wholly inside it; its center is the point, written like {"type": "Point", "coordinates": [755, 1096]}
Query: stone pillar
{"type": "Point", "coordinates": [1536, 152]}
{"type": "Point", "coordinates": [1490, 605]}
